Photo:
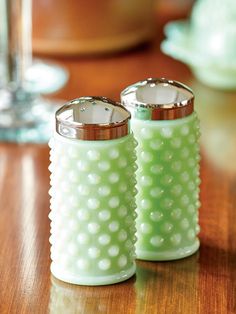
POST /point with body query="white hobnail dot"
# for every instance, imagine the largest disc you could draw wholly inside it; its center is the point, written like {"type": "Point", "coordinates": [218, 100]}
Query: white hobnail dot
{"type": "Point", "coordinates": [122, 236]}
{"type": "Point", "coordinates": [114, 202]}
{"type": "Point", "coordinates": [114, 153]}
{"type": "Point", "coordinates": [94, 252]}
{"type": "Point", "coordinates": [156, 216]}
{"type": "Point", "coordinates": [104, 264]}
{"type": "Point", "coordinates": [114, 177]}
{"type": "Point", "coordinates": [146, 133]}
{"type": "Point", "coordinates": [122, 261]}
{"type": "Point", "coordinates": [93, 227]}
{"type": "Point", "coordinates": [104, 190]}
{"type": "Point", "coordinates": [157, 241]}
{"type": "Point", "coordinates": [114, 226]}
{"type": "Point", "coordinates": [93, 154]}
{"type": "Point", "coordinates": [176, 239]}
{"type": "Point", "coordinates": [113, 250]}
{"type": "Point", "coordinates": [104, 239]}
{"type": "Point", "coordinates": [145, 228]}
{"type": "Point", "coordinates": [104, 215]}
{"type": "Point", "coordinates": [94, 178]}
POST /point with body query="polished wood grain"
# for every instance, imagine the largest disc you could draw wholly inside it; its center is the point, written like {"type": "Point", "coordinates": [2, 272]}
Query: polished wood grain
{"type": "Point", "coordinates": [202, 283]}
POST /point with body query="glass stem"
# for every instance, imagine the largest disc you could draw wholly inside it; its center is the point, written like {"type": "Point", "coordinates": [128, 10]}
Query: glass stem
{"type": "Point", "coordinates": [17, 41]}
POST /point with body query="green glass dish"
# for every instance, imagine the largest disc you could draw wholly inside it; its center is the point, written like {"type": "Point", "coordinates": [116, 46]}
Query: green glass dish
{"type": "Point", "coordinates": [206, 42]}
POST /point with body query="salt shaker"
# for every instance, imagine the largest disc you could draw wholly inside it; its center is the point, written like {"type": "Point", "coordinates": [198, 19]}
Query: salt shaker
{"type": "Point", "coordinates": [92, 193]}
{"type": "Point", "coordinates": [167, 130]}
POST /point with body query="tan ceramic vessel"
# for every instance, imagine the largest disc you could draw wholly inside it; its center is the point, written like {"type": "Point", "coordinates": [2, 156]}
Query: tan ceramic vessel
{"type": "Point", "coordinates": [89, 26]}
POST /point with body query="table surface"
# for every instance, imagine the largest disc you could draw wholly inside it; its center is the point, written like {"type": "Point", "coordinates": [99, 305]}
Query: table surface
{"type": "Point", "coordinates": [202, 283]}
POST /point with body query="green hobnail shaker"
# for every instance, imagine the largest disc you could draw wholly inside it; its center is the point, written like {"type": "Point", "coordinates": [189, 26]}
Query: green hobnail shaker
{"type": "Point", "coordinates": [167, 131]}
{"type": "Point", "coordinates": [92, 193]}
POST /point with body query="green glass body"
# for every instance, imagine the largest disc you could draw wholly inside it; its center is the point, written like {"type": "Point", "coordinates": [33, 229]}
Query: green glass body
{"type": "Point", "coordinates": [168, 187]}
{"type": "Point", "coordinates": [92, 210]}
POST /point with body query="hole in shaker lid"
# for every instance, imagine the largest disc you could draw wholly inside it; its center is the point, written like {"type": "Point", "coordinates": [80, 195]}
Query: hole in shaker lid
{"type": "Point", "coordinates": [92, 118]}
{"type": "Point", "coordinates": [92, 110]}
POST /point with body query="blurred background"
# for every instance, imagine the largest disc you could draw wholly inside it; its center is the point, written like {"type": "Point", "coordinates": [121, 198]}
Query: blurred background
{"type": "Point", "coordinates": [108, 44]}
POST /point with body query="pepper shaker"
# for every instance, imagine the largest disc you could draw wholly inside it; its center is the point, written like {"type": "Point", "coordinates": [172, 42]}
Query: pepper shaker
{"type": "Point", "coordinates": [167, 130]}
{"type": "Point", "coordinates": [92, 193]}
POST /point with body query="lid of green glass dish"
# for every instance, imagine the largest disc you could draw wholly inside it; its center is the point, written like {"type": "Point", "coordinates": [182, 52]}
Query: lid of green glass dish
{"type": "Point", "coordinates": [158, 99]}
{"type": "Point", "coordinates": [92, 118]}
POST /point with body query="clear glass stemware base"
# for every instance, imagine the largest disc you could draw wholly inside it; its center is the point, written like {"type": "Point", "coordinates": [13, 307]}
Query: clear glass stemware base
{"type": "Point", "coordinates": [26, 117]}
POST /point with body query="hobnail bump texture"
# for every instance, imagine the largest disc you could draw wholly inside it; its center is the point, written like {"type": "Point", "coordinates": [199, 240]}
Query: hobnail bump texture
{"type": "Point", "coordinates": [92, 210]}
{"type": "Point", "coordinates": [168, 193]}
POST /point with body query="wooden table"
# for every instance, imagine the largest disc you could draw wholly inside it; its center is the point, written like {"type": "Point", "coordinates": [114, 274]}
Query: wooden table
{"type": "Point", "coordinates": [202, 283]}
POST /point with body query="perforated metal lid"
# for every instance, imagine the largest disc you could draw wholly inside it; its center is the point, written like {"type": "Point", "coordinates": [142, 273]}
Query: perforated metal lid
{"type": "Point", "coordinates": [92, 118]}
{"type": "Point", "coordinates": [158, 99]}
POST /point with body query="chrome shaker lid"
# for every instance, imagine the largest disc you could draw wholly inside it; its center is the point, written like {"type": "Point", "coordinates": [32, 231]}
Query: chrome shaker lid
{"type": "Point", "coordinates": [158, 99]}
{"type": "Point", "coordinates": [92, 118]}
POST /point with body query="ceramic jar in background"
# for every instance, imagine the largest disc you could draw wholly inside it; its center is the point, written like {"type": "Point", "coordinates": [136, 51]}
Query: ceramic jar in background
{"type": "Point", "coordinates": [167, 130]}
{"type": "Point", "coordinates": [92, 193]}
{"type": "Point", "coordinates": [87, 27]}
